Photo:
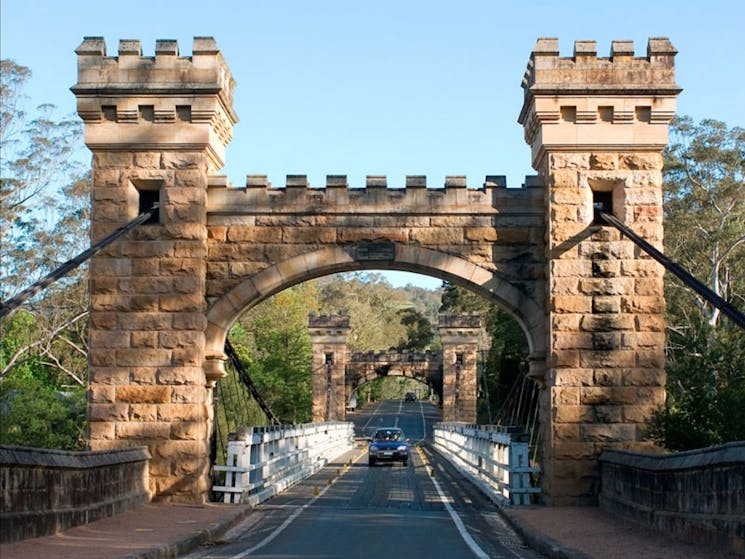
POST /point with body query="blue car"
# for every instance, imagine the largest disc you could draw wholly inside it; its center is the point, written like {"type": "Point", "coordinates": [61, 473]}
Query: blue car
{"type": "Point", "coordinates": [388, 444]}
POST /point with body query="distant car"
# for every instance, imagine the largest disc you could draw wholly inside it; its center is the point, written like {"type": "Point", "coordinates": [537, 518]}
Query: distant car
{"type": "Point", "coordinates": [388, 444]}
{"type": "Point", "coordinates": [410, 397]}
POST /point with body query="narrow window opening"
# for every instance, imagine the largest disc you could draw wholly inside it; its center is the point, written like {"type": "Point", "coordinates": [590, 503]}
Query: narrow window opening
{"type": "Point", "coordinates": [602, 201]}
{"type": "Point", "coordinates": [183, 113]}
{"type": "Point", "coordinates": [644, 114]}
{"type": "Point", "coordinates": [147, 113]}
{"type": "Point", "coordinates": [569, 114]}
{"type": "Point", "coordinates": [329, 358]}
{"type": "Point", "coordinates": [605, 114]}
{"type": "Point", "coordinates": [149, 198]}
{"type": "Point", "coordinates": [109, 113]}
{"type": "Point", "coordinates": [459, 359]}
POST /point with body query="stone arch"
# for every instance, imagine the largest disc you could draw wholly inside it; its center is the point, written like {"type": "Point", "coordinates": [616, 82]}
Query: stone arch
{"type": "Point", "coordinates": [273, 279]}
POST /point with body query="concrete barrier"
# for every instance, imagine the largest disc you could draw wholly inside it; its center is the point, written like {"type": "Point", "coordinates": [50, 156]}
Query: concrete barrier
{"type": "Point", "coordinates": [46, 491]}
{"type": "Point", "coordinates": [494, 457]}
{"type": "Point", "coordinates": [263, 461]}
{"type": "Point", "coordinates": [697, 496]}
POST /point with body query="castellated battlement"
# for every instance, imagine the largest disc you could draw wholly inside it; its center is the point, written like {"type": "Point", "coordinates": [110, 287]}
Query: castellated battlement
{"type": "Point", "coordinates": [585, 72]}
{"type": "Point", "coordinates": [586, 102]}
{"type": "Point", "coordinates": [328, 321]}
{"type": "Point", "coordinates": [131, 101]}
{"type": "Point", "coordinates": [465, 320]}
{"type": "Point", "coordinates": [414, 196]}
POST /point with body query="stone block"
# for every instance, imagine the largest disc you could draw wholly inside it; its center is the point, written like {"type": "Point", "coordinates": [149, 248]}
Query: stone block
{"type": "Point", "coordinates": [189, 357]}
{"type": "Point", "coordinates": [144, 339]}
{"type": "Point", "coordinates": [602, 358]}
{"type": "Point", "coordinates": [102, 357]}
{"type": "Point", "coordinates": [181, 412]}
{"type": "Point", "coordinates": [182, 160]}
{"type": "Point", "coordinates": [183, 302]}
{"type": "Point", "coordinates": [120, 159]}
{"type": "Point", "coordinates": [439, 236]}
{"type": "Point", "coordinates": [180, 376]}
{"type": "Point", "coordinates": [644, 377]}
{"type": "Point", "coordinates": [109, 338]}
{"type": "Point", "coordinates": [145, 321]}
{"type": "Point", "coordinates": [244, 234]}
{"type": "Point", "coordinates": [143, 430]}
{"type": "Point", "coordinates": [307, 235]}
{"type": "Point", "coordinates": [569, 161]}
{"type": "Point", "coordinates": [573, 414]}
{"type": "Point", "coordinates": [569, 358]}
{"type": "Point", "coordinates": [143, 412]}
{"type": "Point", "coordinates": [635, 161]}
{"type": "Point", "coordinates": [101, 430]}
{"type": "Point", "coordinates": [608, 395]}
{"type": "Point", "coordinates": [640, 304]}
{"type": "Point", "coordinates": [651, 358]}
{"type": "Point", "coordinates": [566, 395]}
{"type": "Point", "coordinates": [606, 304]}
{"type": "Point", "coordinates": [143, 375]}
{"type": "Point", "coordinates": [144, 394]}
{"type": "Point", "coordinates": [101, 394]}
{"type": "Point", "coordinates": [189, 321]}
{"type": "Point", "coordinates": [571, 304]}
{"type": "Point", "coordinates": [573, 377]}
{"type": "Point", "coordinates": [604, 161]}
{"type": "Point", "coordinates": [481, 234]}
{"type": "Point", "coordinates": [608, 433]}
{"type": "Point", "coordinates": [103, 320]}
{"type": "Point", "coordinates": [190, 393]}
{"type": "Point", "coordinates": [108, 412]}
{"type": "Point", "coordinates": [180, 338]}
{"type": "Point", "coordinates": [109, 375]}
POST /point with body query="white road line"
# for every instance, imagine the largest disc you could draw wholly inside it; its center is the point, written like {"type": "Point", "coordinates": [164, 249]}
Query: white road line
{"type": "Point", "coordinates": [400, 406]}
{"type": "Point", "coordinates": [371, 418]}
{"type": "Point", "coordinates": [279, 529]}
{"type": "Point", "coordinates": [470, 542]}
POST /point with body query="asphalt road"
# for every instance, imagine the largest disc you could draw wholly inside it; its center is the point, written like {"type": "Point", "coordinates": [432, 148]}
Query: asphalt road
{"type": "Point", "coordinates": [354, 511]}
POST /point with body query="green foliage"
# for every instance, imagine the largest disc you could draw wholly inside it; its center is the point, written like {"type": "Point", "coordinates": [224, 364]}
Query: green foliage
{"type": "Point", "coordinates": [272, 340]}
{"type": "Point", "coordinates": [706, 389]}
{"type": "Point", "coordinates": [705, 232]}
{"type": "Point", "coordinates": [506, 349]}
{"type": "Point", "coordinates": [419, 332]}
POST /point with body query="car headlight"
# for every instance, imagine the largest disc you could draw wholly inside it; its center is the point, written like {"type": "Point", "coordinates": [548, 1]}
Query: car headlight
{"type": "Point", "coordinates": [373, 448]}
{"type": "Point", "coordinates": [402, 448]}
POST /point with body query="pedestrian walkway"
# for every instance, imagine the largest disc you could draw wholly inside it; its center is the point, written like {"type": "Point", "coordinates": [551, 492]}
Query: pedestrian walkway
{"type": "Point", "coordinates": [590, 532]}
{"type": "Point", "coordinates": [155, 531]}
{"type": "Point", "coordinates": [161, 531]}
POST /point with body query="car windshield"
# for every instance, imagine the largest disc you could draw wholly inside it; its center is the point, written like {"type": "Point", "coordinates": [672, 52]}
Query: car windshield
{"type": "Point", "coordinates": [387, 435]}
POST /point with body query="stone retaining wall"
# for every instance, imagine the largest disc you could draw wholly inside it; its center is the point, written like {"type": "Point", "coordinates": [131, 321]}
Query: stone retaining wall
{"type": "Point", "coordinates": [46, 491]}
{"type": "Point", "coordinates": [698, 496]}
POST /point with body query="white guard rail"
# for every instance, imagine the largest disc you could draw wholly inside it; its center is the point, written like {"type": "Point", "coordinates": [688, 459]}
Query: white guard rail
{"type": "Point", "coordinates": [267, 460]}
{"type": "Point", "coordinates": [495, 458]}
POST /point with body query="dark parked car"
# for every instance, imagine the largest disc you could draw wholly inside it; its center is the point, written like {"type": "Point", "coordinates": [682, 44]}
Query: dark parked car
{"type": "Point", "coordinates": [388, 444]}
{"type": "Point", "coordinates": [410, 397]}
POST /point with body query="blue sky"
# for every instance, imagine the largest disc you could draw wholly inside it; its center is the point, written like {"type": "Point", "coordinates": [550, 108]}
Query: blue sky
{"type": "Point", "coordinates": [383, 87]}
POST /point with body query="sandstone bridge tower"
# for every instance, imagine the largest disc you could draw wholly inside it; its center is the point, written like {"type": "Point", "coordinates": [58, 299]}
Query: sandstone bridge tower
{"type": "Point", "coordinates": [164, 297]}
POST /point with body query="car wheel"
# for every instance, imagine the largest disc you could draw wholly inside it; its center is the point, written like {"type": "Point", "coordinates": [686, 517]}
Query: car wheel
{"type": "Point", "coordinates": [405, 463]}
{"type": "Point", "coordinates": [371, 462]}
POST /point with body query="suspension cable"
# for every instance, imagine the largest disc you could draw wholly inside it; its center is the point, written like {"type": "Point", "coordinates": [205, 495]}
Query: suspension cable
{"type": "Point", "coordinates": [246, 379]}
{"type": "Point", "coordinates": [14, 302]}
{"type": "Point", "coordinates": [727, 308]}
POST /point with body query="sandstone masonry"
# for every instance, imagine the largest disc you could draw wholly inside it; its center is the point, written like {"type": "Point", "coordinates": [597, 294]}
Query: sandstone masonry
{"type": "Point", "coordinates": [164, 297]}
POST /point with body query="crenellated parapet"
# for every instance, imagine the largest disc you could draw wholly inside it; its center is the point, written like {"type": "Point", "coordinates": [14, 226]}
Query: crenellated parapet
{"type": "Point", "coordinates": [618, 102]}
{"type": "Point", "coordinates": [330, 322]}
{"type": "Point", "coordinates": [413, 196]}
{"type": "Point", "coordinates": [166, 101]}
{"type": "Point", "coordinates": [463, 321]}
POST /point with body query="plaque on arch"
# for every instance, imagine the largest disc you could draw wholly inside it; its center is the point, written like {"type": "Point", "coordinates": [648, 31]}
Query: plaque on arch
{"type": "Point", "coordinates": [376, 250]}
